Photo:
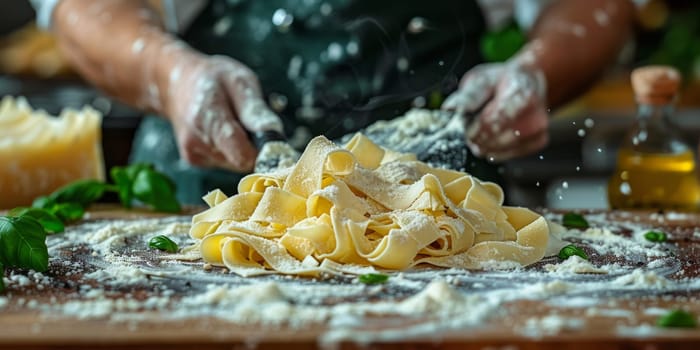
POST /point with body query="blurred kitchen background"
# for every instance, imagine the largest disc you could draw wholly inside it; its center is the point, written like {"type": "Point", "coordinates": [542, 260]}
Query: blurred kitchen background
{"type": "Point", "coordinates": [571, 173]}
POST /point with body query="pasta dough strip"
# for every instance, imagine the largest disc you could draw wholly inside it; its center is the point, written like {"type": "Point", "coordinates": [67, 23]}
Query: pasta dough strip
{"type": "Point", "coordinates": [364, 206]}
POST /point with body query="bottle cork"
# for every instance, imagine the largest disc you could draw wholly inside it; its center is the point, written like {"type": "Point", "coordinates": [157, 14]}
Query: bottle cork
{"type": "Point", "coordinates": [656, 85]}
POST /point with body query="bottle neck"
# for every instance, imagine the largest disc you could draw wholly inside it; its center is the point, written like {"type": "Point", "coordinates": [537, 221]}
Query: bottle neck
{"type": "Point", "coordinates": [654, 131]}
{"type": "Point", "coordinates": [654, 112]}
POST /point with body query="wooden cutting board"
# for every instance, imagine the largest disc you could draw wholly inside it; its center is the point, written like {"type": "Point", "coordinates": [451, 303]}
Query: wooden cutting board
{"type": "Point", "coordinates": [23, 326]}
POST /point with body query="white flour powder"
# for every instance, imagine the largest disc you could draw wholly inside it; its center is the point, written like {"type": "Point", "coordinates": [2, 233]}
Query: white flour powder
{"type": "Point", "coordinates": [101, 258]}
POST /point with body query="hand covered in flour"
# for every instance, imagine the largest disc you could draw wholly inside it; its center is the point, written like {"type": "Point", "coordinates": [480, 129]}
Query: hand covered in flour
{"type": "Point", "coordinates": [508, 105]}
{"type": "Point", "coordinates": [212, 101]}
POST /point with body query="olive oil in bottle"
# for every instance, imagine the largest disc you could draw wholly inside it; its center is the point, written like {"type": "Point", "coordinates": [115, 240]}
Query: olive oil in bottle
{"type": "Point", "coordinates": [655, 167]}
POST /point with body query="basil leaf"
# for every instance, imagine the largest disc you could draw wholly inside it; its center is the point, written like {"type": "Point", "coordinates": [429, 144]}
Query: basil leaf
{"type": "Point", "coordinates": [155, 189]}
{"type": "Point", "coordinates": [67, 212]}
{"type": "Point", "coordinates": [677, 319]}
{"type": "Point", "coordinates": [163, 243]}
{"type": "Point", "coordinates": [373, 278]}
{"type": "Point", "coordinates": [655, 236]}
{"type": "Point", "coordinates": [121, 178]}
{"type": "Point", "coordinates": [83, 192]}
{"type": "Point", "coordinates": [50, 222]}
{"type": "Point", "coordinates": [14, 212]}
{"type": "Point", "coordinates": [573, 220]}
{"type": "Point", "coordinates": [571, 250]}
{"type": "Point", "coordinates": [134, 169]}
{"type": "Point", "coordinates": [23, 243]}
{"type": "Point", "coordinates": [142, 182]}
{"type": "Point", "coordinates": [43, 202]}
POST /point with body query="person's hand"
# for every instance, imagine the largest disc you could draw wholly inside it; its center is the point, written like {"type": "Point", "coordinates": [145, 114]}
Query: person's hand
{"type": "Point", "coordinates": [513, 121]}
{"type": "Point", "coordinates": [212, 101]}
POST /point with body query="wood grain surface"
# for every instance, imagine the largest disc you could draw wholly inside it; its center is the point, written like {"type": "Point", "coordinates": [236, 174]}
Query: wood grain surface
{"type": "Point", "coordinates": [22, 327]}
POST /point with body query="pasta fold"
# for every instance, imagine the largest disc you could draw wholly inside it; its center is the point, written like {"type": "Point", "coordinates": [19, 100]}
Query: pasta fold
{"type": "Point", "coordinates": [364, 205]}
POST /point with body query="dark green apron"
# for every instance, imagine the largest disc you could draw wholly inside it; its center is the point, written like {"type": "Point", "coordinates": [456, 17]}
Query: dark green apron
{"type": "Point", "coordinates": [327, 67]}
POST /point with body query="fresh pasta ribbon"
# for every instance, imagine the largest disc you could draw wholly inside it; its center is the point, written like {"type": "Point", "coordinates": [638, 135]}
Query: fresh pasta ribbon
{"type": "Point", "coordinates": [363, 205]}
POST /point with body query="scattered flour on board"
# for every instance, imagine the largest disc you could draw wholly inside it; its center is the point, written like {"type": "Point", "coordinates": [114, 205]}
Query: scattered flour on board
{"type": "Point", "coordinates": [605, 241]}
{"type": "Point", "coordinates": [574, 264]}
{"type": "Point", "coordinates": [641, 331]}
{"type": "Point", "coordinates": [551, 325]}
{"type": "Point", "coordinates": [441, 299]}
{"type": "Point", "coordinates": [642, 279]}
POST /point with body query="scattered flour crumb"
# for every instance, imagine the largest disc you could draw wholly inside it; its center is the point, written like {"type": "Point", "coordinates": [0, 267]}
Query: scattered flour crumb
{"type": "Point", "coordinates": [438, 297]}
{"type": "Point", "coordinates": [551, 324]}
{"type": "Point", "coordinates": [641, 279]}
{"type": "Point", "coordinates": [495, 265]}
{"type": "Point", "coordinates": [574, 264]}
{"type": "Point", "coordinates": [674, 216]}
{"type": "Point", "coordinates": [122, 274]}
{"type": "Point", "coordinates": [655, 264]}
{"type": "Point", "coordinates": [656, 311]}
{"type": "Point", "coordinates": [641, 331]}
{"type": "Point", "coordinates": [615, 313]}
{"type": "Point", "coordinates": [542, 289]}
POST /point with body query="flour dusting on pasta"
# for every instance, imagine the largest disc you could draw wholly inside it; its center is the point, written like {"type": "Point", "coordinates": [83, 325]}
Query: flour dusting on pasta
{"type": "Point", "coordinates": [362, 204]}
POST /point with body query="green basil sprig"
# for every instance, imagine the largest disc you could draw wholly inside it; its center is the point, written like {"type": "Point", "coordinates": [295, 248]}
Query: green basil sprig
{"type": "Point", "coordinates": [23, 231]}
{"type": "Point", "coordinates": [163, 243]}
{"type": "Point", "coordinates": [142, 182]}
{"type": "Point", "coordinates": [571, 250]}
{"type": "Point", "coordinates": [373, 278]}
{"type": "Point", "coordinates": [50, 222]}
{"type": "Point", "coordinates": [655, 236]}
{"type": "Point", "coordinates": [677, 319]}
{"type": "Point", "coordinates": [22, 244]}
{"type": "Point", "coordinates": [81, 192]}
{"type": "Point", "coordinates": [573, 220]}
{"type": "Point", "coordinates": [69, 202]}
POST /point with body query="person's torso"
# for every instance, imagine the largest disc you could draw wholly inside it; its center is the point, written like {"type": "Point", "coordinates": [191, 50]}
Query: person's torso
{"type": "Point", "coordinates": [334, 66]}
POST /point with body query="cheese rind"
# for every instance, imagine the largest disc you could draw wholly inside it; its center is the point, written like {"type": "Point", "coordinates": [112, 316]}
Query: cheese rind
{"type": "Point", "coordinates": [40, 153]}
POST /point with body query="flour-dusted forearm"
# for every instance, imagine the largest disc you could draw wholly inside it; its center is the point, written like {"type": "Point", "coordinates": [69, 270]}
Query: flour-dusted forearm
{"type": "Point", "coordinates": [121, 47]}
{"type": "Point", "coordinates": [573, 42]}
{"type": "Point", "coordinates": [116, 46]}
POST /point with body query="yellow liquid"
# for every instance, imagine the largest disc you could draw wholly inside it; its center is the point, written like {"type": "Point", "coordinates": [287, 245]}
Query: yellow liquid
{"type": "Point", "coordinates": [658, 181]}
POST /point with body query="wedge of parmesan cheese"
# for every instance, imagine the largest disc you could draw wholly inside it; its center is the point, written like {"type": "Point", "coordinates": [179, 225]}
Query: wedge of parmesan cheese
{"type": "Point", "coordinates": [40, 153]}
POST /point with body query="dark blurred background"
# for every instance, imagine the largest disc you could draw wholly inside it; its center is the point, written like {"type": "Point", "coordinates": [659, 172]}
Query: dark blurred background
{"type": "Point", "coordinates": [571, 173]}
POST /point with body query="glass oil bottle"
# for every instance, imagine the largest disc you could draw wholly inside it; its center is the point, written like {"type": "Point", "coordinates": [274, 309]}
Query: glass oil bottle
{"type": "Point", "coordinates": [655, 169]}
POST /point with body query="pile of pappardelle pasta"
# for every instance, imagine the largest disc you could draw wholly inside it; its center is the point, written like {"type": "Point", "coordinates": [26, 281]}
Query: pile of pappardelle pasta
{"type": "Point", "coordinates": [363, 205]}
